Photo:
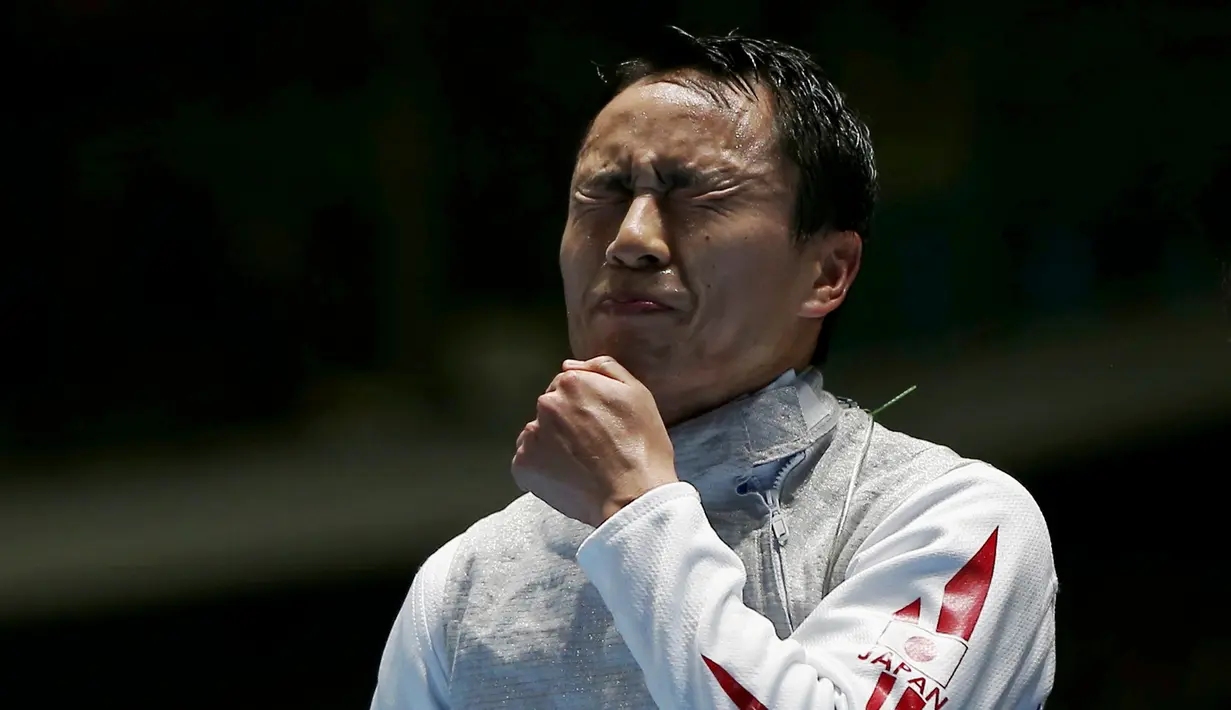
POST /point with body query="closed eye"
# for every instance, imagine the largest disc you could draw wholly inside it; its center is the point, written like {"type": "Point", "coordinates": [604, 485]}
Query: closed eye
{"type": "Point", "coordinates": [713, 200]}
{"type": "Point", "coordinates": [718, 194]}
{"type": "Point", "coordinates": [589, 196]}
{"type": "Point", "coordinates": [606, 187]}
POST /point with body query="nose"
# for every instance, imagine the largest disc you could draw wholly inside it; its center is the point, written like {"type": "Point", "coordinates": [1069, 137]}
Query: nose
{"type": "Point", "coordinates": [641, 242]}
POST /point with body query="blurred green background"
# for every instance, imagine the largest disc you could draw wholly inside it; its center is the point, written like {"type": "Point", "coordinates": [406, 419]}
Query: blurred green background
{"type": "Point", "coordinates": [279, 288]}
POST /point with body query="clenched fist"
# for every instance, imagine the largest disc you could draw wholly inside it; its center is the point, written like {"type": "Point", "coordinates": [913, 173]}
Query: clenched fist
{"type": "Point", "coordinates": [597, 442]}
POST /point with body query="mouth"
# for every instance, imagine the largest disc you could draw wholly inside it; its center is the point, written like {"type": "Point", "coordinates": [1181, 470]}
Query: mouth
{"type": "Point", "coordinates": [632, 305]}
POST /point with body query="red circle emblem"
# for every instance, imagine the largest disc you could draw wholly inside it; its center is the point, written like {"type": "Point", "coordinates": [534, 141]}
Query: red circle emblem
{"type": "Point", "coordinates": [919, 649]}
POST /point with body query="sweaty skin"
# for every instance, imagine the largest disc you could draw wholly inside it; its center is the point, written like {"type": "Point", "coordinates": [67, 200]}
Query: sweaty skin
{"type": "Point", "coordinates": [685, 288]}
{"type": "Point", "coordinates": [681, 195]}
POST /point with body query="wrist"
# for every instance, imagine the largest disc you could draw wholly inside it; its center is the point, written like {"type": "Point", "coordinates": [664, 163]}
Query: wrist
{"type": "Point", "coordinates": [618, 500]}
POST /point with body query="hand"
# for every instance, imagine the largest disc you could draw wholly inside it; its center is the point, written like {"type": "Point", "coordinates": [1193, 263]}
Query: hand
{"type": "Point", "coordinates": [596, 444]}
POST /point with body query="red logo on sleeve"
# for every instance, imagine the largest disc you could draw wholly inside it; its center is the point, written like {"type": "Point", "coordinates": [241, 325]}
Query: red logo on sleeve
{"type": "Point", "coordinates": [935, 654]}
{"type": "Point", "coordinates": [928, 659]}
{"type": "Point", "coordinates": [736, 692]}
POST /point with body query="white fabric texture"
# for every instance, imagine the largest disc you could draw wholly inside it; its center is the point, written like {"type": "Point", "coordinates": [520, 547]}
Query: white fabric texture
{"type": "Point", "coordinates": [941, 593]}
{"type": "Point", "coordinates": [675, 592]}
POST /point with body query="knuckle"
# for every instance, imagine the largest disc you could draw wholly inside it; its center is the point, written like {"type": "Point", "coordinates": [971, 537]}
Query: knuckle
{"type": "Point", "coordinates": [547, 405]}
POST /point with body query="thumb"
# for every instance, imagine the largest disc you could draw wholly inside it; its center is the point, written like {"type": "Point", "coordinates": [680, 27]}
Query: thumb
{"type": "Point", "coordinates": [603, 365]}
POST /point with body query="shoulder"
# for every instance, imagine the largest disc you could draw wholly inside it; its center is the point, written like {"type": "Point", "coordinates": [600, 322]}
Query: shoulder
{"type": "Point", "coordinates": [495, 555]}
{"type": "Point", "coordinates": [900, 455]}
{"type": "Point", "coordinates": [973, 511]}
{"type": "Point", "coordinates": [938, 484]}
{"type": "Point", "coordinates": [982, 485]}
{"type": "Point", "coordinates": [881, 460]}
{"type": "Point", "coordinates": [508, 544]}
{"type": "Point", "coordinates": [976, 495]}
{"type": "Point", "coordinates": [876, 468]}
{"type": "Point", "coordinates": [527, 527]}
{"type": "Point", "coordinates": [899, 466]}
{"type": "Point", "coordinates": [905, 480]}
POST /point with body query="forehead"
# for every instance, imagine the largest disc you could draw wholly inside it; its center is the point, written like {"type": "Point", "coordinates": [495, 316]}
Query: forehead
{"type": "Point", "coordinates": [687, 122]}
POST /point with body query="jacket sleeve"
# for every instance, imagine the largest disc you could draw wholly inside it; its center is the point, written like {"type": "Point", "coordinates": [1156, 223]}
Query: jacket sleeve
{"type": "Point", "coordinates": [413, 674]}
{"type": "Point", "coordinates": [949, 603]}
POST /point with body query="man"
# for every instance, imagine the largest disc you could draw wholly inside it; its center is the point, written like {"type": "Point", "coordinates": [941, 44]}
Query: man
{"type": "Point", "coordinates": [705, 525]}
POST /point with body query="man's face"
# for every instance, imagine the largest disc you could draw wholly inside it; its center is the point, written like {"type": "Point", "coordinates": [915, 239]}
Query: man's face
{"type": "Point", "coordinates": [678, 255]}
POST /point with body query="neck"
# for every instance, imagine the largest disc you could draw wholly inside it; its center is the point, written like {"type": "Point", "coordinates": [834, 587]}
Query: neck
{"type": "Point", "coordinates": [717, 447]}
{"type": "Point", "coordinates": [680, 403]}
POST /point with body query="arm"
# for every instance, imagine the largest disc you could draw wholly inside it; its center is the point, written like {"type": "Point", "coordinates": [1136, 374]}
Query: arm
{"type": "Point", "coordinates": [948, 603]}
{"type": "Point", "coordinates": [413, 672]}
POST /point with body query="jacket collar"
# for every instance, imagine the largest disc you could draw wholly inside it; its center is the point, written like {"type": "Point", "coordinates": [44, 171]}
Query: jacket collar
{"type": "Point", "coordinates": [715, 449]}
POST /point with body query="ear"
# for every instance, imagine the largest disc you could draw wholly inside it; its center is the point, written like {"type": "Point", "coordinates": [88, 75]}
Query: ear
{"type": "Point", "coordinates": [834, 260]}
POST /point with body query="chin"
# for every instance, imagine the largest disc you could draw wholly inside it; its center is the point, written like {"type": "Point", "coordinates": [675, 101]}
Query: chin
{"type": "Point", "coordinates": [645, 359]}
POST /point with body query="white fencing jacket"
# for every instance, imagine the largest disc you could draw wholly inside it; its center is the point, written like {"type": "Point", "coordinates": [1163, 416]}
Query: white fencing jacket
{"type": "Point", "coordinates": [808, 558]}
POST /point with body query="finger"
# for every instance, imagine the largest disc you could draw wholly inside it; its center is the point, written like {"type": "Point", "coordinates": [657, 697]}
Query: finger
{"type": "Point", "coordinates": [519, 476]}
{"type": "Point", "coordinates": [568, 366]}
{"type": "Point", "coordinates": [563, 382]}
{"type": "Point", "coordinates": [527, 432]}
{"type": "Point", "coordinates": [603, 365]}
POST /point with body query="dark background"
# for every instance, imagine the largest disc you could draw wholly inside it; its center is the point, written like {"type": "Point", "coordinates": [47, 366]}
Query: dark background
{"type": "Point", "coordinates": [279, 287]}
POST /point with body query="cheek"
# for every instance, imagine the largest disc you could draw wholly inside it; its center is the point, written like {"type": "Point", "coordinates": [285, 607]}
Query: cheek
{"type": "Point", "coordinates": [581, 258]}
{"type": "Point", "coordinates": [741, 293]}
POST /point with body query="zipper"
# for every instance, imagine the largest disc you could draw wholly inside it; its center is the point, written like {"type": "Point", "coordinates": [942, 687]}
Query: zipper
{"type": "Point", "coordinates": [777, 525]}
{"type": "Point", "coordinates": [777, 519]}
{"type": "Point", "coordinates": [781, 534]}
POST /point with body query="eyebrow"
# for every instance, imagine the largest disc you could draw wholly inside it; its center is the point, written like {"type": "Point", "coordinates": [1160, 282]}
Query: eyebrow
{"type": "Point", "coordinates": [670, 173]}
{"type": "Point", "coordinates": [609, 177]}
